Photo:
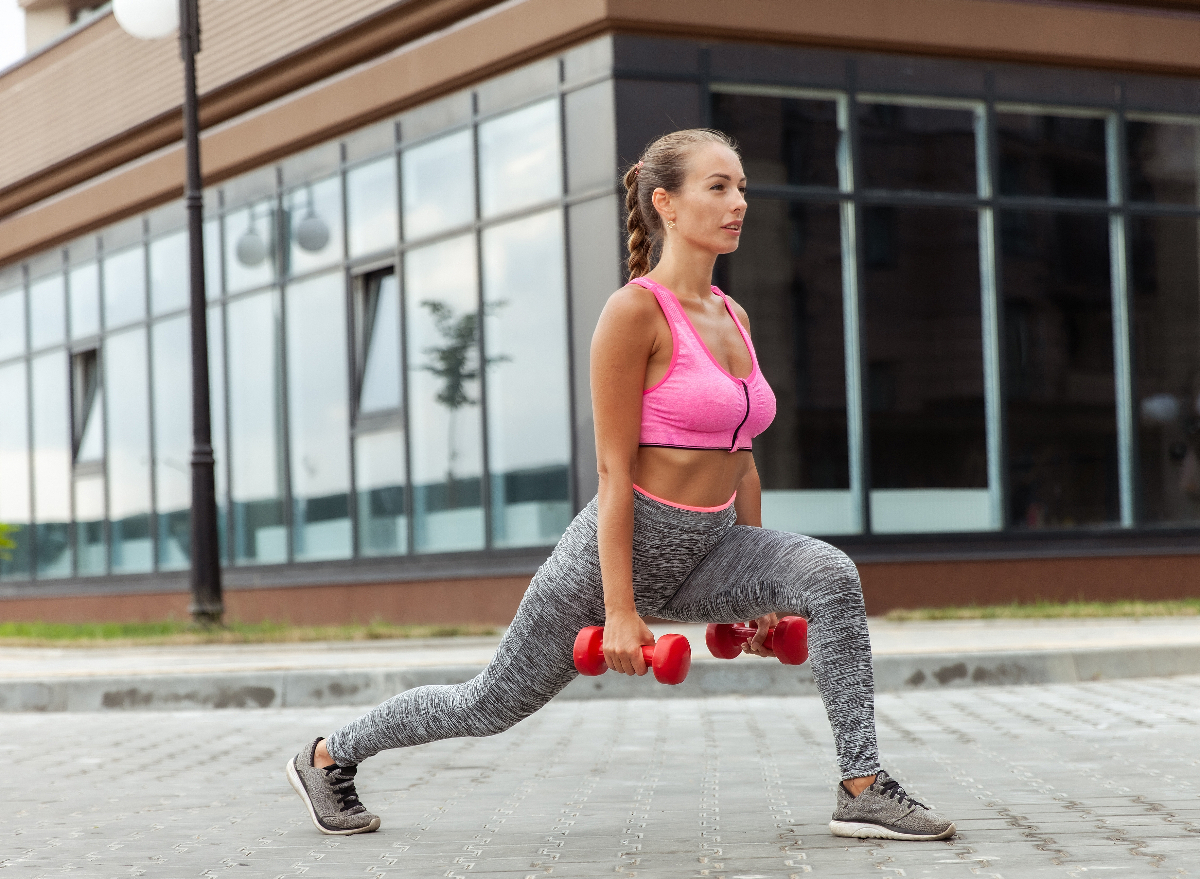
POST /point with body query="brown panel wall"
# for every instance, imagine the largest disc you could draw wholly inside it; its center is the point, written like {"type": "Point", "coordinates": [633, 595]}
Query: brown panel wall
{"type": "Point", "coordinates": [886, 586]}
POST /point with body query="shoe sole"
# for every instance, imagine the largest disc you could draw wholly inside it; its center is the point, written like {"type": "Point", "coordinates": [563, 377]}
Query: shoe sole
{"type": "Point", "coordinates": [863, 830]}
{"type": "Point", "coordinates": [293, 778]}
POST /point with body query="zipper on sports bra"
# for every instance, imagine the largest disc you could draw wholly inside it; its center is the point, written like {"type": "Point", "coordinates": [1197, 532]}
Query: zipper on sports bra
{"type": "Point", "coordinates": [746, 391]}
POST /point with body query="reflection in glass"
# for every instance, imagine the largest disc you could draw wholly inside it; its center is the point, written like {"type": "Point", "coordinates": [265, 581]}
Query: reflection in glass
{"type": "Point", "coordinates": [84, 291]}
{"type": "Point", "coordinates": [52, 464]}
{"type": "Point", "coordinates": [1052, 156]}
{"type": "Point", "coordinates": [259, 532]}
{"type": "Point", "coordinates": [371, 206]}
{"type": "Point", "coordinates": [1164, 162]}
{"type": "Point", "coordinates": [315, 214]}
{"type": "Point", "coordinates": [529, 434]}
{"type": "Point", "coordinates": [788, 277]}
{"type": "Point", "coordinates": [173, 439]}
{"type": "Point", "coordinates": [12, 323]}
{"type": "Point", "coordinates": [124, 287]}
{"type": "Point", "coordinates": [439, 185]}
{"type": "Point", "coordinates": [519, 159]}
{"type": "Point", "coordinates": [1165, 310]}
{"type": "Point", "coordinates": [319, 415]}
{"type": "Point", "coordinates": [14, 470]}
{"type": "Point", "coordinates": [379, 476]}
{"type": "Point", "coordinates": [127, 388]}
{"type": "Point", "coordinates": [90, 546]}
{"type": "Point", "coordinates": [924, 354]}
{"type": "Point", "coordinates": [1062, 441]}
{"type": "Point", "coordinates": [442, 322]}
{"type": "Point", "coordinates": [790, 141]}
{"type": "Point", "coordinates": [378, 329]}
{"type": "Point", "coordinates": [47, 312]}
{"type": "Point", "coordinates": [169, 273]}
{"type": "Point", "coordinates": [916, 148]}
{"type": "Point", "coordinates": [250, 247]}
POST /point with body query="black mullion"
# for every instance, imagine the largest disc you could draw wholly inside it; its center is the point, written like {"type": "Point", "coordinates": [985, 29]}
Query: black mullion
{"type": "Point", "coordinates": [568, 279]}
{"type": "Point", "coordinates": [410, 527]}
{"type": "Point", "coordinates": [349, 298]}
{"type": "Point", "coordinates": [1134, 450]}
{"type": "Point", "coordinates": [153, 434]}
{"type": "Point", "coordinates": [282, 238]}
{"type": "Point", "coordinates": [33, 518]}
{"type": "Point", "coordinates": [864, 414]}
{"type": "Point", "coordinates": [485, 489]}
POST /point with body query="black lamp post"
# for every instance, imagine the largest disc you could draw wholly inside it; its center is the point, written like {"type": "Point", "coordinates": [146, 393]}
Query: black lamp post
{"type": "Point", "coordinates": [154, 19]}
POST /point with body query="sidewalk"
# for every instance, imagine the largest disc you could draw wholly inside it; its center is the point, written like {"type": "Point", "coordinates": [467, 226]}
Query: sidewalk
{"type": "Point", "coordinates": [908, 656]}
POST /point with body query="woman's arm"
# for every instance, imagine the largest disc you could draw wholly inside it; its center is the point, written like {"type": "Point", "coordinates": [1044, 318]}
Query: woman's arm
{"type": "Point", "coordinates": [748, 502]}
{"type": "Point", "coordinates": [626, 337]}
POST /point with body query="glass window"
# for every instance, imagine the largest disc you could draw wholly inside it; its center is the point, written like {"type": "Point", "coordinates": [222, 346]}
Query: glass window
{"type": "Point", "coordinates": [520, 163]}
{"type": "Point", "coordinates": [52, 464]}
{"type": "Point", "coordinates": [87, 405]}
{"type": "Point", "coordinates": [788, 277]}
{"type": "Point", "coordinates": [442, 322]}
{"type": "Point", "coordinates": [12, 323]}
{"type": "Point", "coordinates": [372, 206]}
{"type": "Point", "coordinates": [529, 406]}
{"type": "Point", "coordinates": [124, 287]}
{"type": "Point", "coordinates": [1165, 311]}
{"type": "Point", "coordinates": [47, 312]}
{"type": "Point", "coordinates": [924, 362]}
{"type": "Point", "coordinates": [14, 470]}
{"type": "Point", "coordinates": [216, 386]}
{"type": "Point", "coordinates": [90, 545]}
{"type": "Point", "coordinates": [259, 529]}
{"type": "Point", "coordinates": [169, 273]}
{"type": "Point", "coordinates": [791, 141]}
{"type": "Point", "coordinates": [438, 185]}
{"type": "Point", "coordinates": [1164, 161]}
{"type": "Point", "coordinates": [170, 342]}
{"type": "Point", "coordinates": [84, 286]}
{"type": "Point", "coordinates": [315, 214]}
{"type": "Point", "coordinates": [1062, 441]}
{"type": "Point", "coordinates": [902, 146]}
{"type": "Point", "coordinates": [1042, 154]}
{"type": "Point", "coordinates": [319, 417]}
{"type": "Point", "coordinates": [379, 477]}
{"type": "Point", "coordinates": [127, 388]}
{"type": "Point", "coordinates": [378, 331]}
{"type": "Point", "coordinates": [591, 136]}
{"type": "Point", "coordinates": [214, 279]}
{"type": "Point", "coordinates": [250, 247]}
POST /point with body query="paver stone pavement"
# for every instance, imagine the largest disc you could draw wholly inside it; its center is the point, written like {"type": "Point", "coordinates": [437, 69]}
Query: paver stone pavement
{"type": "Point", "coordinates": [1064, 780]}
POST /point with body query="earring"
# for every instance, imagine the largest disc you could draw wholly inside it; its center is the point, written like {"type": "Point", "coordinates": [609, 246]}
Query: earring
{"type": "Point", "coordinates": [670, 224]}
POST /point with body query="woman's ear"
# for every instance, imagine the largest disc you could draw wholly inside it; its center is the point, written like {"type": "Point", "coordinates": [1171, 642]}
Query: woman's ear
{"type": "Point", "coordinates": [662, 203]}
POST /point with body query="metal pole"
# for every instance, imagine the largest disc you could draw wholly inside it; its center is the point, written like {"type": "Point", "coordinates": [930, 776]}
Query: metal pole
{"type": "Point", "coordinates": [207, 605]}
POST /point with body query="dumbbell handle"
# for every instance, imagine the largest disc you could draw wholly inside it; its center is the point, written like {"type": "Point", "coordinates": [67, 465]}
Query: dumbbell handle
{"type": "Point", "coordinates": [670, 658]}
{"type": "Point", "coordinates": [748, 632]}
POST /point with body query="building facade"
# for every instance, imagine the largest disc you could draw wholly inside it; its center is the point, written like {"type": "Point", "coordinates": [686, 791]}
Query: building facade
{"type": "Point", "coordinates": [970, 264]}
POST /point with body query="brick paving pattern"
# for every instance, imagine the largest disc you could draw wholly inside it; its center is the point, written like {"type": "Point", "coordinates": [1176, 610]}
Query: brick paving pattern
{"type": "Point", "coordinates": [1064, 780]}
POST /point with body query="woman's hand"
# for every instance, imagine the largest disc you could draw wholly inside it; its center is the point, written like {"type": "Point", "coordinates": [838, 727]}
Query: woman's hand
{"type": "Point", "coordinates": [755, 644]}
{"type": "Point", "coordinates": [624, 635]}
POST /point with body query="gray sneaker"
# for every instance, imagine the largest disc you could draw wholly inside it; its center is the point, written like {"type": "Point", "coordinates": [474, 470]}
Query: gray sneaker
{"type": "Point", "coordinates": [885, 811]}
{"type": "Point", "coordinates": [329, 794]}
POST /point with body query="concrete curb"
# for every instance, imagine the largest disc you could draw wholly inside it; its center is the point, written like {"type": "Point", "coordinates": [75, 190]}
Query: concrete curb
{"type": "Point", "coordinates": [708, 677]}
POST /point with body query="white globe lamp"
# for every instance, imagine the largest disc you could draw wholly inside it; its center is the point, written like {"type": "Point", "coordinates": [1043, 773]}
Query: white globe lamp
{"type": "Point", "coordinates": [147, 19]}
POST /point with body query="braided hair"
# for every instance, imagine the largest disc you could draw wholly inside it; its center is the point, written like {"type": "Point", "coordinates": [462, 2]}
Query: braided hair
{"type": "Point", "coordinates": [663, 164]}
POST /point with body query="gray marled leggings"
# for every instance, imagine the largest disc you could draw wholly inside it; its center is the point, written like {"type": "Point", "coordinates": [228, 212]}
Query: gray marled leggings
{"type": "Point", "coordinates": [689, 566]}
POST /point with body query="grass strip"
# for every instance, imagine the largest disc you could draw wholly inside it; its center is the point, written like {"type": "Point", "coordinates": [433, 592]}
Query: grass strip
{"type": "Point", "coordinates": [1051, 610]}
{"type": "Point", "coordinates": [38, 634]}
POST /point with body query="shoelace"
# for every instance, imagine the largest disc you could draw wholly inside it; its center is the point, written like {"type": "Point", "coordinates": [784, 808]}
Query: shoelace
{"type": "Point", "coordinates": [341, 781]}
{"type": "Point", "coordinates": [891, 788]}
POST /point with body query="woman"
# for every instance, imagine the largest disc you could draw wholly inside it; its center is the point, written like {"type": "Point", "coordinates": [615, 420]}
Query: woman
{"type": "Point", "coordinates": [675, 530]}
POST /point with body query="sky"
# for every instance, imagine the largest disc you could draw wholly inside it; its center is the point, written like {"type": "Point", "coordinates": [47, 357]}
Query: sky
{"type": "Point", "coordinates": [12, 32]}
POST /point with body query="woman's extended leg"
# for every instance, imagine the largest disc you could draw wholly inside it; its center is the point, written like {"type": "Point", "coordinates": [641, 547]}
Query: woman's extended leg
{"type": "Point", "coordinates": [756, 571]}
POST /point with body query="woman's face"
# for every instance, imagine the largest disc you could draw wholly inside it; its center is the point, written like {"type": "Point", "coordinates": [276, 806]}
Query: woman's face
{"type": "Point", "coordinates": [709, 208]}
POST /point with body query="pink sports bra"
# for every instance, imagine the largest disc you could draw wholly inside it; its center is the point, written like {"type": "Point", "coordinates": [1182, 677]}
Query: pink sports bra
{"type": "Point", "coordinates": [698, 405]}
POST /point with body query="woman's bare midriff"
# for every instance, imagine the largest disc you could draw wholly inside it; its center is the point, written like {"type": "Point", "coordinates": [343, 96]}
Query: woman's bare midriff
{"type": "Point", "coordinates": [692, 477]}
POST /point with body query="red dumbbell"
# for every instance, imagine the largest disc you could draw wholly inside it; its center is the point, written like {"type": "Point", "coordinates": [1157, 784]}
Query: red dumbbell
{"type": "Point", "coordinates": [789, 639]}
{"type": "Point", "coordinates": [670, 656]}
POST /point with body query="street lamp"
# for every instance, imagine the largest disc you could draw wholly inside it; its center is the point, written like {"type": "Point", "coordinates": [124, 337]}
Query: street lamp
{"type": "Point", "coordinates": [150, 20]}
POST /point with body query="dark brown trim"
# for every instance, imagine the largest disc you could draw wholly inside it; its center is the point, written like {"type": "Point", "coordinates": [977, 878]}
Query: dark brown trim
{"type": "Point", "coordinates": [369, 38]}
